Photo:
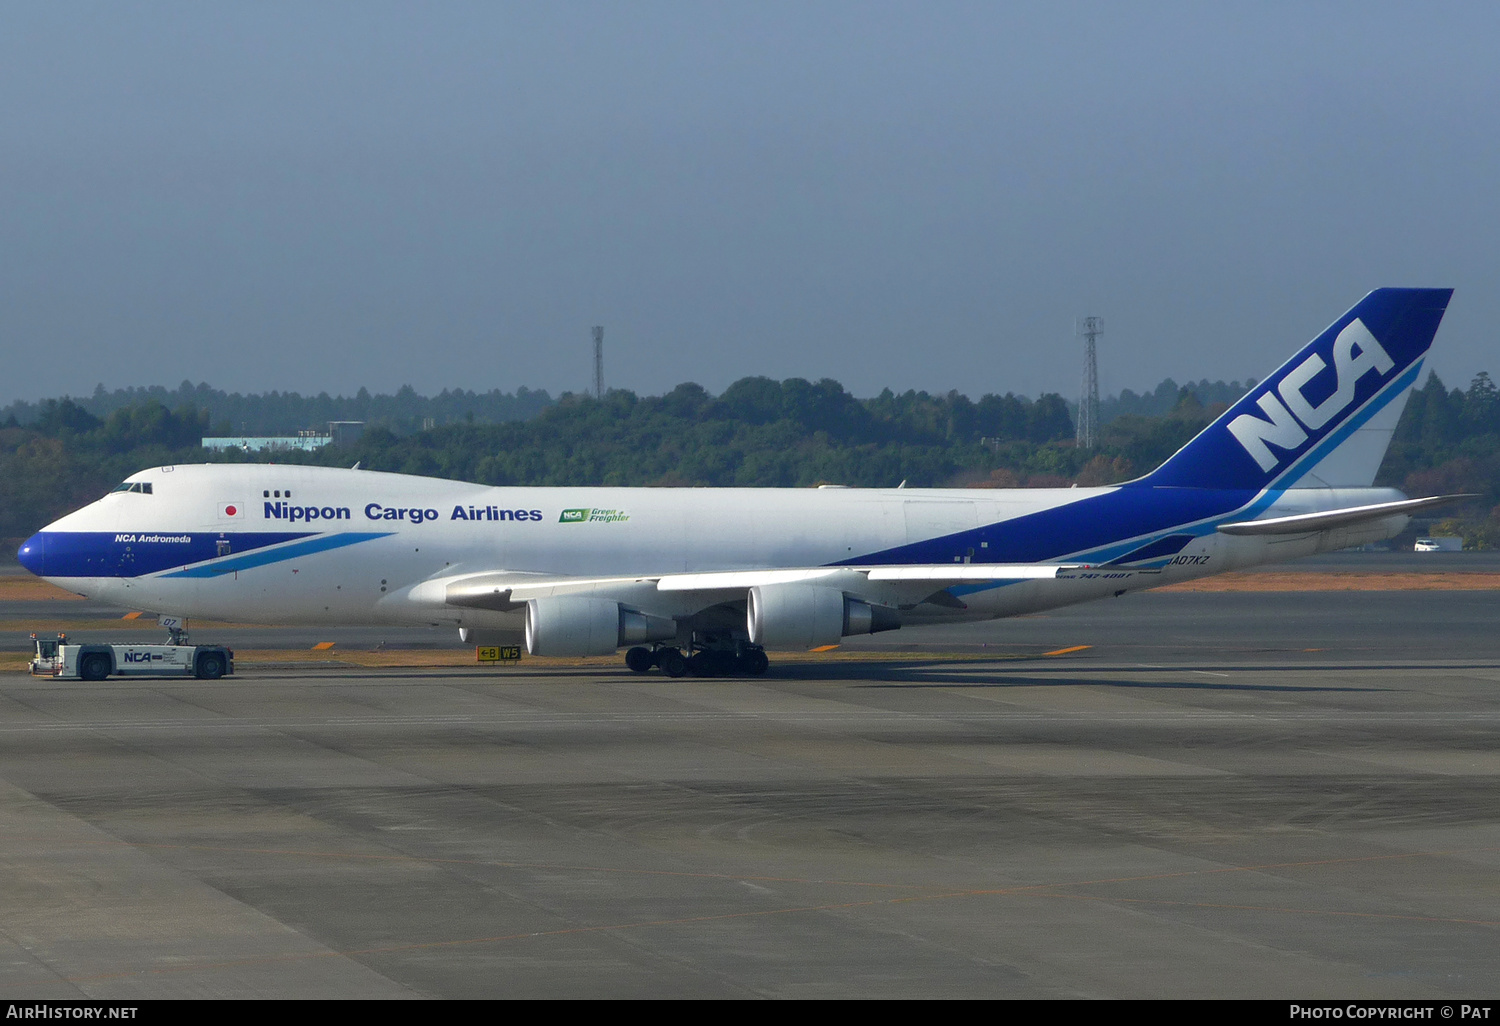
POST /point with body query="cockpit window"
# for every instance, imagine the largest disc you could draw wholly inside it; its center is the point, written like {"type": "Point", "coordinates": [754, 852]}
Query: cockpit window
{"type": "Point", "coordinates": [143, 487]}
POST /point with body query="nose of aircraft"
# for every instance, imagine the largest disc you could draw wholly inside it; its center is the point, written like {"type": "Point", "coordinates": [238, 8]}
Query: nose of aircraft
{"type": "Point", "coordinates": [33, 554]}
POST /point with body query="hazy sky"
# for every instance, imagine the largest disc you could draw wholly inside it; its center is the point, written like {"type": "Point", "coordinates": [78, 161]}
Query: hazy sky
{"type": "Point", "coordinates": [319, 196]}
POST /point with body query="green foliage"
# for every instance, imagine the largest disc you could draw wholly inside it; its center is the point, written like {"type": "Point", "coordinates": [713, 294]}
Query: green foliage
{"type": "Point", "coordinates": [758, 433]}
{"type": "Point", "coordinates": [285, 413]}
{"type": "Point", "coordinates": [1478, 533]}
{"type": "Point", "coordinates": [1448, 442]}
{"type": "Point", "coordinates": [1161, 400]}
{"type": "Point", "coordinates": [64, 417]}
{"type": "Point", "coordinates": [150, 425]}
{"type": "Point", "coordinates": [1145, 442]}
{"type": "Point", "coordinates": [69, 457]}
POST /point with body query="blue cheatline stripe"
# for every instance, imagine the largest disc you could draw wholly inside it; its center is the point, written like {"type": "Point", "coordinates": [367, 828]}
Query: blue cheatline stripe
{"type": "Point", "coordinates": [1395, 388]}
{"type": "Point", "coordinates": [1404, 320]}
{"type": "Point", "coordinates": [1137, 501]}
{"type": "Point", "coordinates": [1288, 479]}
{"type": "Point", "coordinates": [137, 553]}
{"type": "Point", "coordinates": [1378, 402]}
{"type": "Point", "coordinates": [1105, 527]}
{"type": "Point", "coordinates": [296, 550]}
{"type": "Point", "coordinates": [1168, 546]}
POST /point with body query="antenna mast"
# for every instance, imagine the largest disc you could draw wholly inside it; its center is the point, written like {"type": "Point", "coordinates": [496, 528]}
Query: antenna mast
{"type": "Point", "coordinates": [599, 361]}
{"type": "Point", "coordinates": [1088, 402]}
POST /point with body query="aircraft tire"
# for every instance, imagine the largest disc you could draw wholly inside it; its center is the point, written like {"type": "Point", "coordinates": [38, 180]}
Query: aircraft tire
{"type": "Point", "coordinates": [639, 659]}
{"type": "Point", "coordinates": [671, 662]}
{"type": "Point", "coordinates": [94, 667]}
{"type": "Point", "coordinates": [755, 663]}
{"type": "Point", "coordinates": [701, 664]}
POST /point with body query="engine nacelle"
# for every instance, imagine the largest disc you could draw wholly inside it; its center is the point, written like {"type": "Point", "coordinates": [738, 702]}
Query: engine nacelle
{"type": "Point", "coordinates": [801, 616]}
{"type": "Point", "coordinates": [579, 625]}
{"type": "Point", "coordinates": [489, 636]}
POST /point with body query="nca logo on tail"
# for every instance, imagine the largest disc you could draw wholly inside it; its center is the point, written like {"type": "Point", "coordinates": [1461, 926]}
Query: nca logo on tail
{"type": "Point", "coordinates": [1355, 354]}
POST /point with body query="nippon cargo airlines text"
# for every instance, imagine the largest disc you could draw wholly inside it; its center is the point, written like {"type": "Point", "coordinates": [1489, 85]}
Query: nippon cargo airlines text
{"type": "Point", "coordinates": [409, 514]}
{"type": "Point", "coordinates": [707, 581]}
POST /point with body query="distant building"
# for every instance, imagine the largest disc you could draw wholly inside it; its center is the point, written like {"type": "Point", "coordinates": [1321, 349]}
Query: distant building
{"type": "Point", "coordinates": [250, 443]}
{"type": "Point", "coordinates": [341, 432]}
{"type": "Point", "coordinates": [345, 431]}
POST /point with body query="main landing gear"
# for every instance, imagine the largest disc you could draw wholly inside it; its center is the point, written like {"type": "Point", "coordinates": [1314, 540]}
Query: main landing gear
{"type": "Point", "coordinates": [743, 660]}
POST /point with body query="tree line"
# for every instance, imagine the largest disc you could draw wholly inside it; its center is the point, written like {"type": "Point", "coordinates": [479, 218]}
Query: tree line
{"type": "Point", "coordinates": [759, 432]}
{"type": "Point", "coordinates": [285, 413]}
{"type": "Point", "coordinates": [404, 412]}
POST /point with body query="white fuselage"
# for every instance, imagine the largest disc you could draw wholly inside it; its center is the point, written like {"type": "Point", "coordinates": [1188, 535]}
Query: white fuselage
{"type": "Point", "coordinates": [318, 545]}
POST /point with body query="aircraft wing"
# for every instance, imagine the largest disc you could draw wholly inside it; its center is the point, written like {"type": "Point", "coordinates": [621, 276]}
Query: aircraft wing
{"type": "Point", "coordinates": [1308, 523]}
{"type": "Point", "coordinates": [938, 573]}
{"type": "Point", "coordinates": [507, 591]}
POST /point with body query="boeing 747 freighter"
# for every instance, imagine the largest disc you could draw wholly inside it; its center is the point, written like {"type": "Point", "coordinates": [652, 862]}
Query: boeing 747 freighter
{"type": "Point", "coordinates": [705, 580]}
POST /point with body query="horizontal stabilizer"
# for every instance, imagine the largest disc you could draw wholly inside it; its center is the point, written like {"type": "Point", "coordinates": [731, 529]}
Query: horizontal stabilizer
{"type": "Point", "coordinates": [1306, 523]}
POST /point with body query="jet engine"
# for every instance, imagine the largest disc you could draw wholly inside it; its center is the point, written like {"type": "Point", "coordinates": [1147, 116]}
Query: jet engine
{"type": "Point", "coordinates": [487, 636]}
{"type": "Point", "coordinates": [801, 616]}
{"type": "Point", "coordinates": [579, 625]}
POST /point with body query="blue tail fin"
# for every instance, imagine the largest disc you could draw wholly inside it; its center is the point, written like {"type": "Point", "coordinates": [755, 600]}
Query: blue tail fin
{"type": "Point", "coordinates": [1324, 418]}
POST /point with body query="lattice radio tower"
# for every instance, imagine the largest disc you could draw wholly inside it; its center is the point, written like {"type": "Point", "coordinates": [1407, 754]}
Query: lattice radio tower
{"type": "Point", "coordinates": [598, 361]}
{"type": "Point", "coordinates": [1088, 402]}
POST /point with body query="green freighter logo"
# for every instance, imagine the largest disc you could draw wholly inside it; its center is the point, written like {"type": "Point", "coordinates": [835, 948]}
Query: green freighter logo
{"type": "Point", "coordinates": [592, 516]}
